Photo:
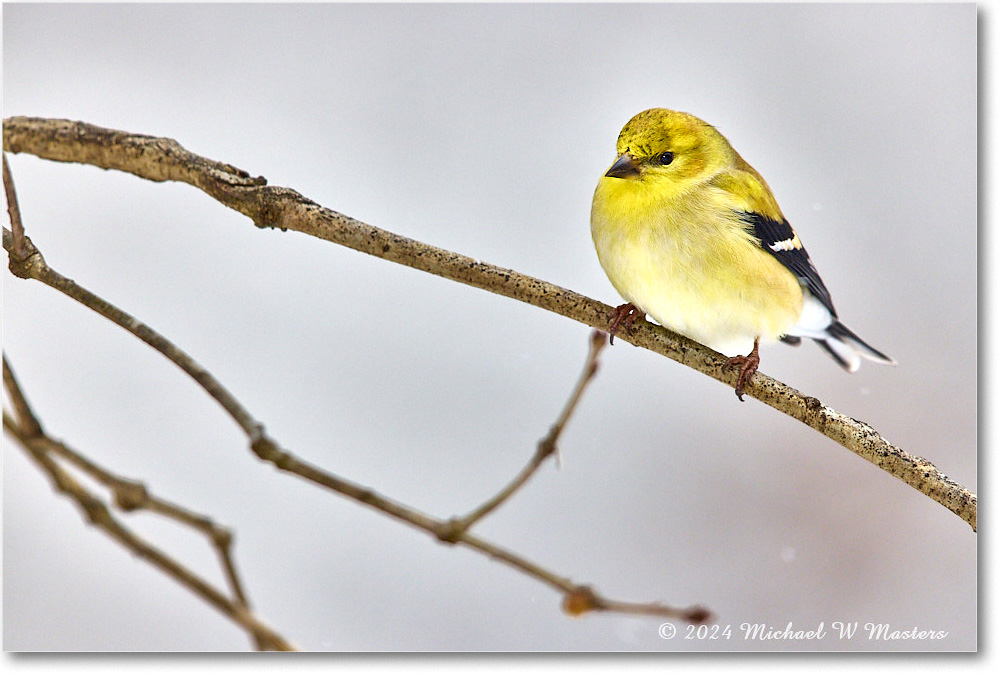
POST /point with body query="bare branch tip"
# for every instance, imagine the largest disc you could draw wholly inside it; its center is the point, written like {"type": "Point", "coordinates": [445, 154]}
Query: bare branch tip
{"type": "Point", "coordinates": [598, 339]}
{"type": "Point", "coordinates": [698, 615]}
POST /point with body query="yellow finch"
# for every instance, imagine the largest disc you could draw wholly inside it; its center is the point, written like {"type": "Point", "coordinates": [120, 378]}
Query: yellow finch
{"type": "Point", "coordinates": [689, 233]}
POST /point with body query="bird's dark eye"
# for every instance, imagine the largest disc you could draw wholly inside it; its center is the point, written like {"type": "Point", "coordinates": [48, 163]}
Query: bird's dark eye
{"type": "Point", "coordinates": [666, 158]}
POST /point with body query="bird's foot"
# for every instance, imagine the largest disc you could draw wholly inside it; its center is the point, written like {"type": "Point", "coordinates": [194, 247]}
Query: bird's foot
{"type": "Point", "coordinates": [624, 314]}
{"type": "Point", "coordinates": [748, 366]}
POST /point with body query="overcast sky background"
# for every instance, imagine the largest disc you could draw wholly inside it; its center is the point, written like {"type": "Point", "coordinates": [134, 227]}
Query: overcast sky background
{"type": "Point", "coordinates": [483, 130]}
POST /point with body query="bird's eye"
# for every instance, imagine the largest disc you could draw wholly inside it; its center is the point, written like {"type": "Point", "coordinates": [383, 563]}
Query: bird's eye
{"type": "Point", "coordinates": [666, 158]}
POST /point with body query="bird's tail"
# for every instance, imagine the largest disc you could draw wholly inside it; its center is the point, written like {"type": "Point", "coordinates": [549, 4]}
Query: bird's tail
{"type": "Point", "coordinates": [846, 348]}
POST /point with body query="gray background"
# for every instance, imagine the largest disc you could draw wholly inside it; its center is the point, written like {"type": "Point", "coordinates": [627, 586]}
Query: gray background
{"type": "Point", "coordinates": [483, 129]}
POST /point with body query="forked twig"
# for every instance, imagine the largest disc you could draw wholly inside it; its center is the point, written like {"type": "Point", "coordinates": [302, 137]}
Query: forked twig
{"type": "Point", "coordinates": [546, 447]}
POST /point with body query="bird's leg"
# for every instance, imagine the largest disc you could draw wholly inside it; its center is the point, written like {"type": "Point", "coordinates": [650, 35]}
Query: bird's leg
{"type": "Point", "coordinates": [626, 314]}
{"type": "Point", "coordinates": [748, 365]}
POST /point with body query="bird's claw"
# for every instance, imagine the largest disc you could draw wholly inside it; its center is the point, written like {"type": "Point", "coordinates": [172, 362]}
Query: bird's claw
{"type": "Point", "coordinates": [624, 314]}
{"type": "Point", "coordinates": [748, 366]}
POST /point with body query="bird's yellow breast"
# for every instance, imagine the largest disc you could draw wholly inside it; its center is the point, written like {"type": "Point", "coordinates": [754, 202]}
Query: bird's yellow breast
{"type": "Point", "coordinates": [688, 261]}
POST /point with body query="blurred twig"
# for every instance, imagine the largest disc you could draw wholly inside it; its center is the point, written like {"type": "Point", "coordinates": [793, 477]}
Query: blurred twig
{"type": "Point", "coordinates": [161, 159]}
{"type": "Point", "coordinates": [130, 495]}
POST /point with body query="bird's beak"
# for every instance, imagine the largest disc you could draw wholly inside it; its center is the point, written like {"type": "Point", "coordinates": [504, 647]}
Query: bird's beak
{"type": "Point", "coordinates": [624, 167]}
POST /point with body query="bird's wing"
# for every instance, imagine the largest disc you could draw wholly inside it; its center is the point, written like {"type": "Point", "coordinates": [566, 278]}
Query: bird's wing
{"type": "Point", "coordinates": [779, 239]}
{"type": "Point", "coordinates": [752, 199]}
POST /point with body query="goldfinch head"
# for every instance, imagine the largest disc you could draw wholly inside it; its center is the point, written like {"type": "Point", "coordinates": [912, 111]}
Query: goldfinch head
{"type": "Point", "coordinates": [671, 150]}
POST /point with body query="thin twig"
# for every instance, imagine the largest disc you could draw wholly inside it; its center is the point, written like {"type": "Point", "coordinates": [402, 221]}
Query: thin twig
{"type": "Point", "coordinates": [583, 600]}
{"type": "Point", "coordinates": [33, 266]}
{"type": "Point", "coordinates": [161, 159]}
{"type": "Point", "coordinates": [26, 420]}
{"type": "Point", "coordinates": [98, 514]}
{"type": "Point", "coordinates": [13, 210]}
{"type": "Point", "coordinates": [546, 447]}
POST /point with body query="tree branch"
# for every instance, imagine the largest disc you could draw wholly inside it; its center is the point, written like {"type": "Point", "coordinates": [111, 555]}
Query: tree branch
{"type": "Point", "coordinates": [161, 159]}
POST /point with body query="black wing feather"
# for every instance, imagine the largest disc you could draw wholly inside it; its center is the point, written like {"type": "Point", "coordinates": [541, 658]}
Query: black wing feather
{"type": "Point", "coordinates": [771, 232]}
